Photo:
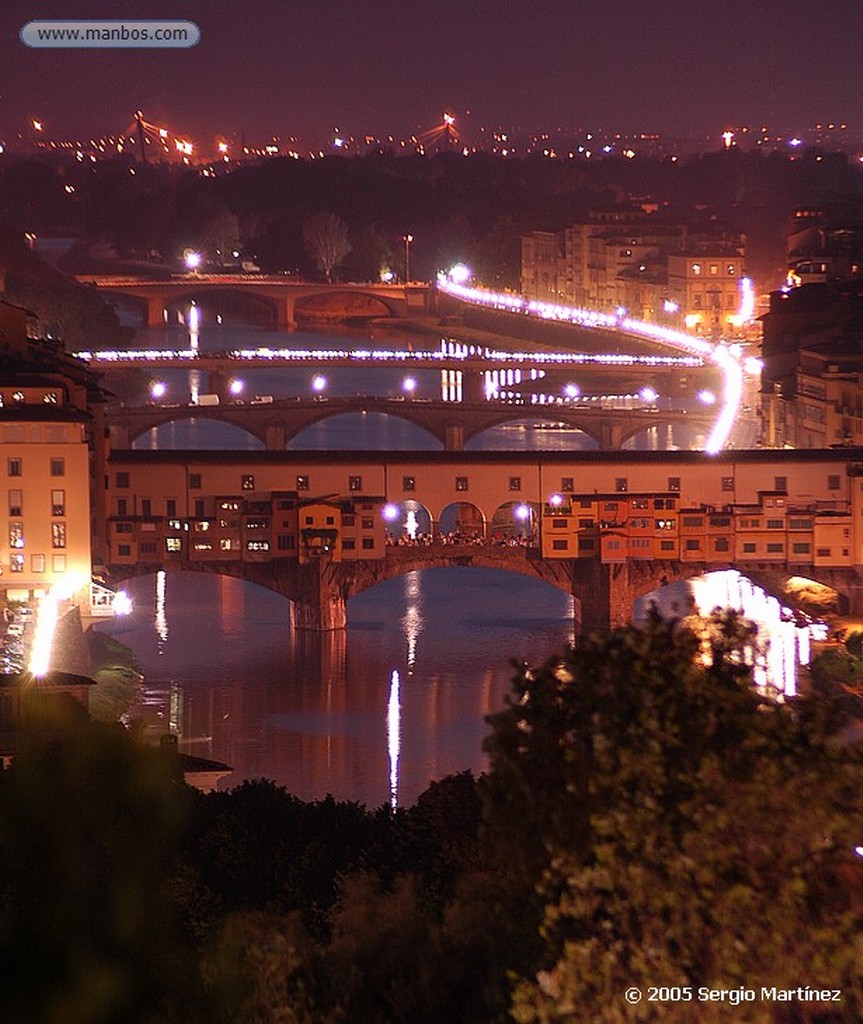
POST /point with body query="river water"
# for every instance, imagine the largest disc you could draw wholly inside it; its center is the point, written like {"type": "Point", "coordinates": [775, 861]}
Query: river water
{"type": "Point", "coordinates": [398, 699]}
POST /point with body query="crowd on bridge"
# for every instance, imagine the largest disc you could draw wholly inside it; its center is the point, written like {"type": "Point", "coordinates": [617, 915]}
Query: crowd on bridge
{"type": "Point", "coordinates": [460, 538]}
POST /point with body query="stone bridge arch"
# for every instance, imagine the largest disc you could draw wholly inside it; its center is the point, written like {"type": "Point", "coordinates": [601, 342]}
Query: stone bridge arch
{"type": "Point", "coordinates": [207, 296]}
{"type": "Point", "coordinates": [351, 303]}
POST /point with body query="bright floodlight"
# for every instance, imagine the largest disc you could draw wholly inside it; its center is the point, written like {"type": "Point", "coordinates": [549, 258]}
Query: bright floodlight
{"type": "Point", "coordinates": [572, 390]}
{"type": "Point", "coordinates": [409, 385]}
{"type": "Point", "coordinates": [122, 603]}
{"type": "Point", "coordinates": [648, 394]}
{"type": "Point", "coordinates": [522, 512]}
{"type": "Point", "coordinates": [192, 260]}
{"type": "Point", "coordinates": [319, 383]}
{"type": "Point", "coordinates": [391, 512]}
{"type": "Point", "coordinates": [158, 389]}
{"type": "Point", "coordinates": [707, 397]}
{"type": "Point", "coordinates": [460, 274]}
{"type": "Point", "coordinates": [670, 306]}
{"type": "Point", "coordinates": [236, 387]}
{"type": "Point", "coordinates": [556, 500]}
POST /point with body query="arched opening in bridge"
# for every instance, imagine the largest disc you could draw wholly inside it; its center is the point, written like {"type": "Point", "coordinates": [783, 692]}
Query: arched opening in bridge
{"type": "Point", "coordinates": [784, 635]}
{"type": "Point", "coordinates": [462, 522]}
{"type": "Point", "coordinates": [667, 437]}
{"type": "Point", "coordinates": [408, 523]}
{"type": "Point", "coordinates": [228, 307]}
{"type": "Point", "coordinates": [197, 433]}
{"type": "Point", "coordinates": [340, 305]}
{"type": "Point", "coordinates": [515, 522]}
{"type": "Point", "coordinates": [364, 431]}
{"type": "Point", "coordinates": [813, 597]}
{"type": "Point", "coordinates": [532, 433]}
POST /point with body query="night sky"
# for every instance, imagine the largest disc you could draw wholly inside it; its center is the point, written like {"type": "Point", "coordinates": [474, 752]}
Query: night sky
{"type": "Point", "coordinates": [305, 66]}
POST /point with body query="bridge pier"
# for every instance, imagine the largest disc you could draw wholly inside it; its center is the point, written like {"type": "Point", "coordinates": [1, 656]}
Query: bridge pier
{"type": "Point", "coordinates": [610, 435]}
{"type": "Point", "coordinates": [276, 436]}
{"type": "Point", "coordinates": [286, 313]}
{"type": "Point", "coordinates": [318, 602]}
{"type": "Point", "coordinates": [453, 438]}
{"type": "Point", "coordinates": [155, 312]}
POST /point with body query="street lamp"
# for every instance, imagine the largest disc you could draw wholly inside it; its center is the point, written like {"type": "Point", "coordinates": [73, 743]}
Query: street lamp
{"type": "Point", "coordinates": [409, 385]}
{"type": "Point", "coordinates": [319, 383]}
{"type": "Point", "coordinates": [408, 240]}
{"type": "Point", "coordinates": [158, 389]}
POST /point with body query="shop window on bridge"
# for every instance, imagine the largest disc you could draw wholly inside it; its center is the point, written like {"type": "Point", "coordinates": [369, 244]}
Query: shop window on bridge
{"type": "Point", "coordinates": [780, 483]}
{"type": "Point", "coordinates": [621, 483]}
{"type": "Point", "coordinates": [566, 484]}
{"type": "Point", "coordinates": [833, 482]}
{"type": "Point", "coordinates": [674, 483]}
{"type": "Point", "coordinates": [515, 483]}
{"type": "Point", "coordinates": [286, 542]}
{"type": "Point", "coordinates": [775, 549]}
{"type": "Point", "coordinates": [174, 524]}
{"type": "Point", "coordinates": [170, 507]}
{"type": "Point", "coordinates": [348, 520]}
{"type": "Point", "coordinates": [173, 544]}
{"type": "Point", "coordinates": [349, 544]}
{"type": "Point", "coordinates": [749, 548]}
{"type": "Point", "coordinates": [257, 545]}
{"type": "Point", "coordinates": [799, 524]}
{"type": "Point", "coordinates": [195, 481]}
{"type": "Point", "coordinates": [719, 521]}
{"type": "Point", "coordinates": [559, 545]}
{"type": "Point", "coordinates": [692, 545]}
{"type": "Point", "coordinates": [693, 520]}
{"type": "Point", "coordinates": [667, 545]}
{"type": "Point", "coordinates": [146, 507]}
{"type": "Point", "coordinates": [147, 548]}
{"type": "Point", "coordinates": [368, 543]}
{"type": "Point", "coordinates": [610, 506]}
{"type": "Point", "coordinates": [559, 524]}
{"type": "Point", "coordinates": [228, 544]}
{"type": "Point", "coordinates": [203, 545]}
{"type": "Point", "coordinates": [586, 544]}
{"type": "Point", "coordinates": [665, 503]}
{"type": "Point", "coordinates": [302, 482]}
{"type": "Point", "coordinates": [122, 527]}
{"type": "Point", "coordinates": [721, 544]}
{"type": "Point", "coordinates": [247, 482]}
{"type": "Point", "coordinates": [586, 523]}
{"type": "Point", "coordinates": [461, 483]}
{"type": "Point", "coordinates": [409, 483]}
{"type": "Point", "coordinates": [229, 506]}
{"type": "Point", "coordinates": [640, 503]}
{"type": "Point", "coordinates": [124, 550]}
{"type": "Point", "coordinates": [368, 524]}
{"type": "Point", "coordinates": [823, 552]}
{"type": "Point", "coordinates": [331, 520]}
{"type": "Point", "coordinates": [727, 483]}
{"type": "Point", "coordinates": [355, 483]}
{"type": "Point", "coordinates": [123, 480]}
{"type": "Point", "coordinates": [775, 524]}
{"type": "Point", "coordinates": [800, 549]}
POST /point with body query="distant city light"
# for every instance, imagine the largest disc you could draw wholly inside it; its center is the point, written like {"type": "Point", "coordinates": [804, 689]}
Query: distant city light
{"type": "Point", "coordinates": [158, 389]}
{"type": "Point", "coordinates": [122, 603]}
{"type": "Point", "coordinates": [319, 383]}
{"type": "Point", "coordinates": [409, 385]}
{"type": "Point", "coordinates": [191, 259]}
{"type": "Point", "coordinates": [572, 390]}
{"type": "Point", "coordinates": [707, 397]}
{"type": "Point", "coordinates": [648, 394]}
{"type": "Point", "coordinates": [236, 387]}
{"type": "Point", "coordinates": [522, 512]}
{"type": "Point", "coordinates": [669, 306]}
{"type": "Point", "coordinates": [391, 512]}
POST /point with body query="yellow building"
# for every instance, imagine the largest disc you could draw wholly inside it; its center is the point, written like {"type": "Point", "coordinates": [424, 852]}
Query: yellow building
{"type": "Point", "coordinates": [705, 288]}
{"type": "Point", "coordinates": [46, 463]}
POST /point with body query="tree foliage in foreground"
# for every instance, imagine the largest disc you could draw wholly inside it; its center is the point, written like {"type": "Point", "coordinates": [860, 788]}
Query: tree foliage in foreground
{"type": "Point", "coordinates": [693, 832]}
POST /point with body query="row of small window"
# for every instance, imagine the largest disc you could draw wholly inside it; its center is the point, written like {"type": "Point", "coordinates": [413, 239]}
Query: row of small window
{"type": "Point", "coordinates": [16, 502]}
{"type": "Point", "coordinates": [713, 269]}
{"type": "Point", "coordinates": [15, 467]}
{"type": "Point", "coordinates": [16, 534]}
{"type": "Point", "coordinates": [713, 301]}
{"type": "Point", "coordinates": [38, 563]}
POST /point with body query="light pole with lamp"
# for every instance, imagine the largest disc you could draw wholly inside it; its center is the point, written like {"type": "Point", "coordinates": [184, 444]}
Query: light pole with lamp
{"type": "Point", "coordinates": [408, 240]}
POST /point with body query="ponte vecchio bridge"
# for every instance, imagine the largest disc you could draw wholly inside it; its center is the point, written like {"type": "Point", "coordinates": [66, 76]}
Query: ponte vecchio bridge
{"type": "Point", "coordinates": [606, 527]}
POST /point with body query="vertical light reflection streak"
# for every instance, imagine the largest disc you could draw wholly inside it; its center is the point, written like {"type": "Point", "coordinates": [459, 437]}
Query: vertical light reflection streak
{"type": "Point", "coordinates": [161, 617]}
{"type": "Point", "coordinates": [785, 645]}
{"type": "Point", "coordinates": [394, 737]}
{"type": "Point", "coordinates": [412, 622]}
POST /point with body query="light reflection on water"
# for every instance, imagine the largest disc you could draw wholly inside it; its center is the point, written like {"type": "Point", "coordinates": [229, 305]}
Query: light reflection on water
{"type": "Point", "coordinates": [323, 714]}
